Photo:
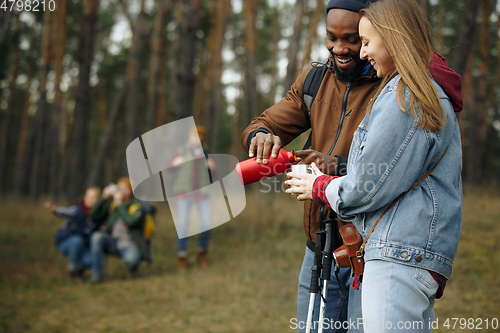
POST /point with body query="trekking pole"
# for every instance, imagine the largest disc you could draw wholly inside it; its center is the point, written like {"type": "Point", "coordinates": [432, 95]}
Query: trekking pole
{"type": "Point", "coordinates": [314, 287]}
{"type": "Point", "coordinates": [326, 271]}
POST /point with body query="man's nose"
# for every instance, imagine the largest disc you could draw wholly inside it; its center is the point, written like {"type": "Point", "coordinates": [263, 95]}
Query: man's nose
{"type": "Point", "coordinates": [339, 48]}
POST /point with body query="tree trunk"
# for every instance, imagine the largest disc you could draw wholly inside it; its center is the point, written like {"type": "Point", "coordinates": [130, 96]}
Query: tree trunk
{"type": "Point", "coordinates": [201, 100]}
{"type": "Point", "coordinates": [155, 61]}
{"type": "Point", "coordinates": [439, 30]}
{"type": "Point", "coordinates": [5, 21]}
{"type": "Point", "coordinates": [492, 143]}
{"type": "Point", "coordinates": [40, 168]}
{"type": "Point", "coordinates": [476, 119]}
{"type": "Point", "coordinates": [54, 133]}
{"type": "Point", "coordinates": [294, 47]}
{"type": "Point", "coordinates": [220, 13]}
{"type": "Point", "coordinates": [6, 139]}
{"type": "Point", "coordinates": [161, 108]}
{"type": "Point", "coordinates": [5, 17]}
{"type": "Point", "coordinates": [313, 35]}
{"type": "Point", "coordinates": [251, 95]}
{"type": "Point", "coordinates": [23, 158]}
{"type": "Point", "coordinates": [97, 170]}
{"type": "Point", "coordinates": [183, 77]}
{"type": "Point", "coordinates": [275, 26]}
{"type": "Point", "coordinates": [466, 36]}
{"type": "Point", "coordinates": [77, 152]}
{"type": "Point", "coordinates": [136, 68]}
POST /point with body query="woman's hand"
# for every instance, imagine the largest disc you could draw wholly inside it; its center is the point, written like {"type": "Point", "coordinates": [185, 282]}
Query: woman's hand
{"type": "Point", "coordinates": [303, 183]}
{"type": "Point", "coordinates": [49, 205]}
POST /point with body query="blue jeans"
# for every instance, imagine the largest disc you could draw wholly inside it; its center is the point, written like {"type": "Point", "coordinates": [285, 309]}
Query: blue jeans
{"type": "Point", "coordinates": [337, 298]}
{"type": "Point", "coordinates": [397, 297]}
{"type": "Point", "coordinates": [205, 214]}
{"type": "Point", "coordinates": [354, 312]}
{"type": "Point", "coordinates": [101, 243]}
{"type": "Point", "coordinates": [77, 251]}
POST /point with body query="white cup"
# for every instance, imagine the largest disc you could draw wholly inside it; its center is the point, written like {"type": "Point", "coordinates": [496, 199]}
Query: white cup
{"type": "Point", "coordinates": [301, 169]}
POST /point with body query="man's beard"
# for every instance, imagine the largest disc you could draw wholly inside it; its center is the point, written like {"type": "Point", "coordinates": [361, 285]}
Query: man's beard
{"type": "Point", "coordinates": [347, 76]}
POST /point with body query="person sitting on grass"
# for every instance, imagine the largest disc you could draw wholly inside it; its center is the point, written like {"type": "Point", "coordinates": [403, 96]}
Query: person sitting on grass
{"type": "Point", "coordinates": [73, 238]}
{"type": "Point", "coordinates": [122, 234]}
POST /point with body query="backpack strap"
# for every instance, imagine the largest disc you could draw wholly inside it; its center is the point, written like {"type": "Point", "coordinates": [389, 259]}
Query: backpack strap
{"type": "Point", "coordinates": [310, 89]}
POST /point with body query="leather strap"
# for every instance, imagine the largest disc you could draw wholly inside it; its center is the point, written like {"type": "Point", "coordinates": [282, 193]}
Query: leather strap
{"type": "Point", "coordinates": [362, 247]}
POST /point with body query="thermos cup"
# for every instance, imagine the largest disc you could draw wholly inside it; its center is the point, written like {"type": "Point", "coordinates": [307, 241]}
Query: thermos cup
{"type": "Point", "coordinates": [300, 168]}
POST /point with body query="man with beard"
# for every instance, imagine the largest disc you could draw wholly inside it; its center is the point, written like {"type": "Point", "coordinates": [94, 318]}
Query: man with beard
{"type": "Point", "coordinates": [336, 112]}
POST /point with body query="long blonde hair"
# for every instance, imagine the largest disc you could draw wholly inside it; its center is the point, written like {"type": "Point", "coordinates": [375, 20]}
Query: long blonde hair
{"type": "Point", "coordinates": [406, 34]}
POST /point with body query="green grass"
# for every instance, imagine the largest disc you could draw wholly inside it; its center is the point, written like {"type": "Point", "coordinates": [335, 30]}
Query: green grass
{"type": "Point", "coordinates": [250, 285]}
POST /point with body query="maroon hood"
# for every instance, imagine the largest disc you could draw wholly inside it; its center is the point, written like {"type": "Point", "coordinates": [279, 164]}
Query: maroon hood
{"type": "Point", "coordinates": [450, 81]}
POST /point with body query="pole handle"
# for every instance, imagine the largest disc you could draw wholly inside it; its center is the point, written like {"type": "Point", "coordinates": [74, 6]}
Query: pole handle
{"type": "Point", "coordinates": [327, 262]}
{"type": "Point", "coordinates": [314, 287]}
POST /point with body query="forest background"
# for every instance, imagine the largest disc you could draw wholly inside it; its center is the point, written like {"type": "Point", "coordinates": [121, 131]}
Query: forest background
{"type": "Point", "coordinates": [79, 80]}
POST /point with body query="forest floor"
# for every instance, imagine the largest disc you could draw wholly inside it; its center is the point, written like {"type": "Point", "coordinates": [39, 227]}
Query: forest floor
{"type": "Point", "coordinates": [250, 285]}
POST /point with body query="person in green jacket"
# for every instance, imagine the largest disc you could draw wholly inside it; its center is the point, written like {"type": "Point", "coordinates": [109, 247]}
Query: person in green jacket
{"type": "Point", "coordinates": [122, 233]}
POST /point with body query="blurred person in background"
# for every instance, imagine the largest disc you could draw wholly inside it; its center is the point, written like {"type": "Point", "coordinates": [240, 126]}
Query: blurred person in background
{"type": "Point", "coordinates": [190, 188]}
{"type": "Point", "coordinates": [122, 235]}
{"type": "Point", "coordinates": [73, 238]}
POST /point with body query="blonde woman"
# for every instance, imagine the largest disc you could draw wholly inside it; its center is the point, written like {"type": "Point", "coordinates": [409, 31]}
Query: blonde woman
{"type": "Point", "coordinates": [410, 126]}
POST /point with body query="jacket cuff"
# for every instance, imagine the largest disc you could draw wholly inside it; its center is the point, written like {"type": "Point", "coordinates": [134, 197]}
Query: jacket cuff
{"type": "Point", "coordinates": [319, 189]}
{"type": "Point", "coordinates": [341, 166]}
{"type": "Point", "coordinates": [252, 134]}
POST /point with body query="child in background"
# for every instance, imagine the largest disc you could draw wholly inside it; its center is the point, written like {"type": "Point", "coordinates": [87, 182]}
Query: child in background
{"type": "Point", "coordinates": [73, 238]}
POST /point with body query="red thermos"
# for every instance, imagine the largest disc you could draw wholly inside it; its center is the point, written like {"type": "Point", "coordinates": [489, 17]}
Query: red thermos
{"type": "Point", "coordinates": [250, 171]}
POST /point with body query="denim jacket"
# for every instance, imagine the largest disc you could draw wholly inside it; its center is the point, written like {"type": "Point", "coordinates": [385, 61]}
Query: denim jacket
{"type": "Point", "coordinates": [388, 154]}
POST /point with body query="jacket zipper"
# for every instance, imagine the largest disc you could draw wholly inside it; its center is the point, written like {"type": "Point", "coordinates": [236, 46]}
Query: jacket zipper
{"type": "Point", "coordinates": [342, 116]}
{"type": "Point", "coordinates": [341, 122]}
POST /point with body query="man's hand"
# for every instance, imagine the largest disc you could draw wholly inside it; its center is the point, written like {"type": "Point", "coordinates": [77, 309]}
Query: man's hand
{"type": "Point", "coordinates": [266, 144]}
{"type": "Point", "coordinates": [326, 164]}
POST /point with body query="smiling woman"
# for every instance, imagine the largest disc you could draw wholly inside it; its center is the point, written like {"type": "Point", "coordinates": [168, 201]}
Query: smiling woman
{"type": "Point", "coordinates": [373, 48]}
{"type": "Point", "coordinates": [403, 41]}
